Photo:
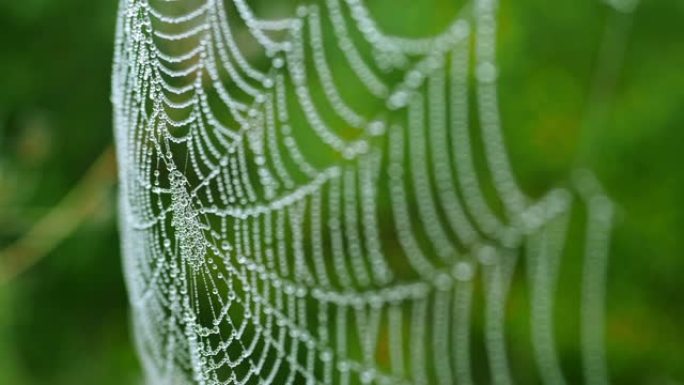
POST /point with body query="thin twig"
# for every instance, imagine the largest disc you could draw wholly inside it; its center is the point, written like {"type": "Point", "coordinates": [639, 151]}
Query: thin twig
{"type": "Point", "coordinates": [81, 202]}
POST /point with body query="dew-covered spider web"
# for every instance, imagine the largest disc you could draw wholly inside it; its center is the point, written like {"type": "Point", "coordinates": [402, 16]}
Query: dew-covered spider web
{"type": "Point", "coordinates": [301, 201]}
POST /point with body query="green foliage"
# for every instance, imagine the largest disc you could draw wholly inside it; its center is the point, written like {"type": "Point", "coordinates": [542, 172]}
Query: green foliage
{"type": "Point", "coordinates": [65, 322]}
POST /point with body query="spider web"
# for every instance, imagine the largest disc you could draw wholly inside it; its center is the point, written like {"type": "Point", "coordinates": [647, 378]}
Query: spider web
{"type": "Point", "coordinates": [301, 204]}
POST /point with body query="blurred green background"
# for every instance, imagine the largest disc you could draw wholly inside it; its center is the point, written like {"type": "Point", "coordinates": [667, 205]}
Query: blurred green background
{"type": "Point", "coordinates": [564, 104]}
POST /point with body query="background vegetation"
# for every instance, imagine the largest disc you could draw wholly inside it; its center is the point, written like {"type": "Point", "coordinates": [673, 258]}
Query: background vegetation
{"type": "Point", "coordinates": [64, 320]}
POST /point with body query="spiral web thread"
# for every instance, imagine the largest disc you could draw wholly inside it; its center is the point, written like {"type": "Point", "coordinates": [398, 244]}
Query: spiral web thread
{"type": "Point", "coordinates": [278, 228]}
